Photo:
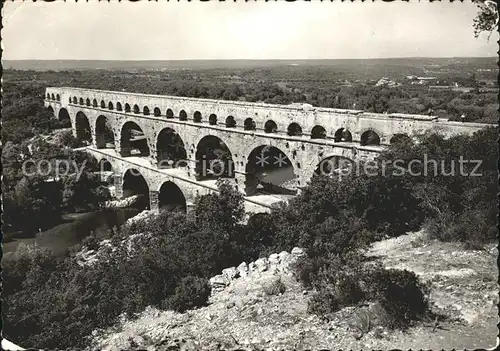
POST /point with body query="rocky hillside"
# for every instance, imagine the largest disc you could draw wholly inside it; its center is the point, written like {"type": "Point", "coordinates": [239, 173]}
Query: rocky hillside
{"type": "Point", "coordinates": [260, 306]}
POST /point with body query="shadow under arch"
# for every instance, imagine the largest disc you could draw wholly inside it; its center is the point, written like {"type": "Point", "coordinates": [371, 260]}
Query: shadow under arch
{"type": "Point", "coordinates": [134, 183]}
{"type": "Point", "coordinates": [294, 129]}
{"type": "Point", "coordinates": [169, 113]}
{"type": "Point", "coordinates": [63, 117]}
{"type": "Point", "coordinates": [171, 198]}
{"type": "Point", "coordinates": [342, 134]}
{"type": "Point", "coordinates": [318, 132]}
{"type": "Point", "coordinates": [105, 138]}
{"type": "Point", "coordinates": [104, 165]}
{"type": "Point", "coordinates": [370, 137]}
{"type": "Point", "coordinates": [106, 172]}
{"type": "Point", "coordinates": [212, 119]}
{"type": "Point", "coordinates": [170, 149]}
{"type": "Point", "coordinates": [213, 159]}
{"type": "Point", "coordinates": [183, 115]}
{"type": "Point", "coordinates": [83, 131]}
{"type": "Point", "coordinates": [249, 124]}
{"type": "Point", "coordinates": [133, 141]}
{"type": "Point", "coordinates": [270, 127]}
{"type": "Point", "coordinates": [270, 171]}
{"type": "Point", "coordinates": [197, 117]}
{"type": "Point", "coordinates": [400, 138]}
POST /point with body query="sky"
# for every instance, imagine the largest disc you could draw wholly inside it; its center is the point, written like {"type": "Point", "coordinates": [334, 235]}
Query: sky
{"type": "Point", "coordinates": [146, 30]}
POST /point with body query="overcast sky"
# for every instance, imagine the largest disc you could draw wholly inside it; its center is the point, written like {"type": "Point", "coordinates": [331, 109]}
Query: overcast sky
{"type": "Point", "coordinates": [226, 30]}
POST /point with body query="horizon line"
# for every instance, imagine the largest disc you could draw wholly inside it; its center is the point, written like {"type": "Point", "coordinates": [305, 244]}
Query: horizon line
{"type": "Point", "coordinates": [255, 59]}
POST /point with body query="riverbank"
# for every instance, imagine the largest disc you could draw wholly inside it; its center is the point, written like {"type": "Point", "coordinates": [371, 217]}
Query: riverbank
{"type": "Point", "coordinates": [104, 249]}
{"type": "Point", "coordinates": [73, 229]}
{"type": "Point", "coordinates": [122, 203]}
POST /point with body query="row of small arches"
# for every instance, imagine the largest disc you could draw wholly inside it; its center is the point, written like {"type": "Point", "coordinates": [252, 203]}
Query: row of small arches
{"type": "Point", "coordinates": [294, 129]}
{"type": "Point", "coordinates": [369, 137]}
{"type": "Point", "coordinates": [56, 97]}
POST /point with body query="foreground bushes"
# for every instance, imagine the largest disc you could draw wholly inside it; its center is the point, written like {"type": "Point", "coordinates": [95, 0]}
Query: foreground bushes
{"type": "Point", "coordinates": [346, 281]}
{"type": "Point", "coordinates": [191, 292]}
{"type": "Point", "coordinates": [472, 227]}
{"type": "Point", "coordinates": [459, 202]}
{"type": "Point", "coordinates": [57, 304]}
{"type": "Point", "coordinates": [399, 292]}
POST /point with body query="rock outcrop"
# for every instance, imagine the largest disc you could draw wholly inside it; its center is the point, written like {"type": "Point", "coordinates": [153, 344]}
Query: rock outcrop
{"type": "Point", "coordinates": [127, 202]}
{"type": "Point", "coordinates": [140, 216]}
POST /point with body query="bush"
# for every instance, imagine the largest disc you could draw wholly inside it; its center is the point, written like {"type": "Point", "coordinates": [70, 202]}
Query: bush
{"type": "Point", "coordinates": [303, 270]}
{"type": "Point", "coordinates": [323, 303]}
{"type": "Point", "coordinates": [228, 204]}
{"type": "Point", "coordinates": [191, 292]}
{"type": "Point", "coordinates": [275, 287]}
{"type": "Point", "coordinates": [336, 291]}
{"type": "Point", "coordinates": [472, 227]}
{"type": "Point", "coordinates": [336, 280]}
{"type": "Point", "coordinates": [66, 138]}
{"type": "Point", "coordinates": [255, 239]}
{"type": "Point", "coordinates": [342, 281]}
{"type": "Point", "coordinates": [400, 293]}
{"type": "Point", "coordinates": [90, 242]}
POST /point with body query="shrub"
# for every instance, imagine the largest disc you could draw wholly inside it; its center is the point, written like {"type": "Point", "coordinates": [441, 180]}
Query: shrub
{"type": "Point", "coordinates": [342, 281]}
{"type": "Point", "coordinates": [191, 292]}
{"type": "Point", "coordinates": [66, 138]}
{"type": "Point", "coordinates": [323, 303]}
{"type": "Point", "coordinates": [335, 291]}
{"type": "Point", "coordinates": [400, 293]}
{"type": "Point", "coordinates": [336, 280]}
{"type": "Point", "coordinates": [256, 238]}
{"type": "Point", "coordinates": [169, 224]}
{"type": "Point", "coordinates": [303, 269]}
{"type": "Point", "coordinates": [90, 242]}
{"type": "Point", "coordinates": [276, 287]}
{"type": "Point", "coordinates": [228, 204]}
{"type": "Point", "coordinates": [472, 227]}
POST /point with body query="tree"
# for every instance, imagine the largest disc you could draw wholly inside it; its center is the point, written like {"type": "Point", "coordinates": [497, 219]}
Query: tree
{"type": "Point", "coordinates": [39, 200]}
{"type": "Point", "coordinates": [487, 17]}
{"type": "Point", "coordinates": [222, 211]}
{"type": "Point", "coordinates": [13, 156]}
{"type": "Point", "coordinates": [84, 192]}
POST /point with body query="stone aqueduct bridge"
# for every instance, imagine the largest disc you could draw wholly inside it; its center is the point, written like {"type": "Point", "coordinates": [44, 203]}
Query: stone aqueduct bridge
{"type": "Point", "coordinates": [307, 135]}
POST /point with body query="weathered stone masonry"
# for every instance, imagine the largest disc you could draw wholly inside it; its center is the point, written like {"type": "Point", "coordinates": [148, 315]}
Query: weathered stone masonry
{"type": "Point", "coordinates": [193, 119]}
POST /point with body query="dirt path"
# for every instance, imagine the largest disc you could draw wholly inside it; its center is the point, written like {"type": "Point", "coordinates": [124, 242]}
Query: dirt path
{"type": "Point", "coordinates": [463, 286]}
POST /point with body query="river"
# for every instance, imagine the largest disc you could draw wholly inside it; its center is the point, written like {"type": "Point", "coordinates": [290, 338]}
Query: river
{"type": "Point", "coordinates": [74, 228]}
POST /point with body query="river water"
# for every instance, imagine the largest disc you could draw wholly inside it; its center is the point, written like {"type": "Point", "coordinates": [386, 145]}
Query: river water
{"type": "Point", "coordinates": [74, 228]}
